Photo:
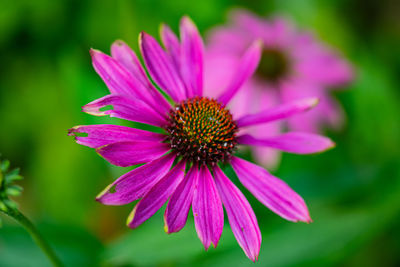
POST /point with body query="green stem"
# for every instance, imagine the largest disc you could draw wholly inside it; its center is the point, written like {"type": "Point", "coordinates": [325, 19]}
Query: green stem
{"type": "Point", "coordinates": [33, 231]}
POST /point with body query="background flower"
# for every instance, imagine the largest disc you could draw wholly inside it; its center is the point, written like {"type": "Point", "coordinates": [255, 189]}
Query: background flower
{"type": "Point", "coordinates": [47, 73]}
{"type": "Point", "coordinates": [294, 65]}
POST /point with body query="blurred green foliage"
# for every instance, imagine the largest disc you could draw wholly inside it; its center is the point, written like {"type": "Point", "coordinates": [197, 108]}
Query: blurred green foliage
{"type": "Point", "coordinates": [46, 76]}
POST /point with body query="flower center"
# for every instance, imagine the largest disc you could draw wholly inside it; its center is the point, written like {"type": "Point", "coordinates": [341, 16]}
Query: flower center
{"type": "Point", "coordinates": [202, 130]}
{"type": "Point", "coordinates": [274, 65]}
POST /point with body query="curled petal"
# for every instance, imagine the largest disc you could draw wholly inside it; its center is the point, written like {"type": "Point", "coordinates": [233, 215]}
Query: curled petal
{"type": "Point", "coordinates": [271, 191]}
{"type": "Point", "coordinates": [105, 134]}
{"type": "Point", "coordinates": [241, 216]}
{"type": "Point", "coordinates": [179, 204]}
{"type": "Point", "coordinates": [207, 209]}
{"type": "Point", "coordinates": [281, 112]}
{"type": "Point", "coordinates": [157, 196]}
{"type": "Point", "coordinates": [136, 183]}
{"type": "Point", "coordinates": [161, 68]}
{"type": "Point", "coordinates": [130, 153]}
{"type": "Point", "coordinates": [293, 142]}
{"type": "Point", "coordinates": [192, 57]}
{"type": "Point", "coordinates": [247, 66]}
{"type": "Point", "coordinates": [125, 108]}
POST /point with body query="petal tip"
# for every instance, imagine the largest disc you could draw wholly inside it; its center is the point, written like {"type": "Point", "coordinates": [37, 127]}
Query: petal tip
{"type": "Point", "coordinates": [131, 217]}
{"type": "Point", "coordinates": [214, 244]}
{"type": "Point", "coordinates": [166, 228]}
{"type": "Point", "coordinates": [259, 43]}
{"type": "Point", "coordinates": [100, 196]}
{"type": "Point", "coordinates": [94, 52]}
{"type": "Point", "coordinates": [313, 102]}
{"type": "Point", "coordinates": [329, 146]}
{"type": "Point", "coordinates": [118, 42]}
{"type": "Point", "coordinates": [72, 131]}
{"type": "Point", "coordinates": [93, 109]}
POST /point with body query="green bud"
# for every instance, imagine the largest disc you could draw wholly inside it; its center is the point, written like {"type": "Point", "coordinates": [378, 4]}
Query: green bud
{"type": "Point", "coordinates": [7, 188]}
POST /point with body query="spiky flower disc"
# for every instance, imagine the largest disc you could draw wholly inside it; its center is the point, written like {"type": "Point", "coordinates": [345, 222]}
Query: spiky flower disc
{"type": "Point", "coordinates": [202, 130]}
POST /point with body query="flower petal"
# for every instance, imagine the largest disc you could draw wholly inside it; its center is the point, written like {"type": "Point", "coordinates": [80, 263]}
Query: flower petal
{"type": "Point", "coordinates": [136, 183]}
{"type": "Point", "coordinates": [293, 142]}
{"type": "Point", "coordinates": [125, 108]}
{"type": "Point", "coordinates": [250, 24]}
{"type": "Point", "coordinates": [271, 191]}
{"type": "Point", "coordinates": [179, 204]}
{"type": "Point", "coordinates": [246, 68]}
{"type": "Point", "coordinates": [207, 209]}
{"type": "Point", "coordinates": [105, 134]}
{"type": "Point", "coordinates": [117, 78]}
{"type": "Point", "coordinates": [171, 44]}
{"type": "Point", "coordinates": [241, 216]}
{"type": "Point", "coordinates": [130, 153]}
{"type": "Point", "coordinates": [281, 112]}
{"type": "Point", "coordinates": [157, 196]}
{"type": "Point", "coordinates": [192, 57]}
{"type": "Point", "coordinates": [127, 57]}
{"type": "Point", "coordinates": [161, 68]}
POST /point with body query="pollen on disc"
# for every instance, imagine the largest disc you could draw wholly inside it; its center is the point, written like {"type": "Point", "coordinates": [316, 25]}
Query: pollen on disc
{"type": "Point", "coordinates": [202, 130]}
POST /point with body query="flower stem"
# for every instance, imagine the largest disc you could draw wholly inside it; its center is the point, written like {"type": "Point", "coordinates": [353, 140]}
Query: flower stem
{"type": "Point", "coordinates": [36, 236]}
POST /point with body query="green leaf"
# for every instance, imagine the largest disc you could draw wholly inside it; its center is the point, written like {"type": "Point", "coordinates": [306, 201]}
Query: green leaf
{"type": "Point", "coordinates": [4, 165]}
{"type": "Point", "coordinates": [13, 190]}
{"type": "Point", "coordinates": [13, 176]}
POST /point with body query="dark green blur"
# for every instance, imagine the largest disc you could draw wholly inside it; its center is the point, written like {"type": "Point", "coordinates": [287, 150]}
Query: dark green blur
{"type": "Point", "coordinates": [353, 191]}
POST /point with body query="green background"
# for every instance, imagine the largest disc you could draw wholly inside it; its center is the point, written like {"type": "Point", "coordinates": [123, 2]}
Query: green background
{"type": "Point", "coordinates": [353, 191]}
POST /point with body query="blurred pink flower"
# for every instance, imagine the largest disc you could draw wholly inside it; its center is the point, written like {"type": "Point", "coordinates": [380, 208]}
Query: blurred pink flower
{"type": "Point", "coordinates": [197, 134]}
{"type": "Point", "coordinates": [294, 65]}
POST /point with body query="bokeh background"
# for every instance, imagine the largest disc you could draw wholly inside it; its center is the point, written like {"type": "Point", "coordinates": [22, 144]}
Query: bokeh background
{"type": "Point", "coordinates": [353, 191]}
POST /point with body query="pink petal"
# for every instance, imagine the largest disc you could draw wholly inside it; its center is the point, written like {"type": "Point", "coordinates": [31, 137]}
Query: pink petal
{"type": "Point", "coordinates": [105, 134]}
{"type": "Point", "coordinates": [246, 68]}
{"type": "Point", "coordinates": [130, 153]}
{"type": "Point", "coordinates": [324, 66]}
{"type": "Point", "coordinates": [161, 68]}
{"type": "Point", "coordinates": [125, 108]}
{"type": "Point", "coordinates": [127, 57]}
{"type": "Point", "coordinates": [293, 142]}
{"type": "Point", "coordinates": [241, 216]}
{"type": "Point", "coordinates": [136, 183]}
{"type": "Point", "coordinates": [271, 191]}
{"type": "Point", "coordinates": [231, 40]}
{"type": "Point", "coordinates": [171, 44]}
{"type": "Point", "coordinates": [192, 57]}
{"type": "Point", "coordinates": [266, 97]}
{"type": "Point", "coordinates": [248, 22]}
{"type": "Point", "coordinates": [117, 78]}
{"type": "Point", "coordinates": [157, 196]}
{"type": "Point", "coordinates": [207, 209]}
{"type": "Point", "coordinates": [218, 71]}
{"type": "Point", "coordinates": [281, 112]}
{"type": "Point", "coordinates": [179, 204]}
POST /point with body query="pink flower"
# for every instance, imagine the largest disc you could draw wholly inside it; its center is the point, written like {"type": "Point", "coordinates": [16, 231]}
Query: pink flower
{"type": "Point", "coordinates": [294, 65]}
{"type": "Point", "coordinates": [197, 134]}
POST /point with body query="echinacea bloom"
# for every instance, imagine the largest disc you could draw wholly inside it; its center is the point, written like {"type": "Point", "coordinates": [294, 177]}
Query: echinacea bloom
{"type": "Point", "coordinates": [293, 65]}
{"type": "Point", "coordinates": [199, 133]}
